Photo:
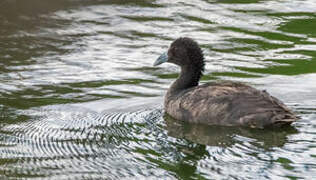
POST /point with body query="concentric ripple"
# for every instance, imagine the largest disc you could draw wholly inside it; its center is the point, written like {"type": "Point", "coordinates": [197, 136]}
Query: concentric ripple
{"type": "Point", "coordinates": [70, 140]}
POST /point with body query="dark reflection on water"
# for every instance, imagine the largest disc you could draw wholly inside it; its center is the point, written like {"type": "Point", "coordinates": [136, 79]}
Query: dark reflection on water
{"type": "Point", "coordinates": [79, 98]}
{"type": "Point", "coordinates": [224, 136]}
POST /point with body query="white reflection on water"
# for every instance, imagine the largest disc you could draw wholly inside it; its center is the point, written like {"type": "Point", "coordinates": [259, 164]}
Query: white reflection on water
{"type": "Point", "coordinates": [102, 53]}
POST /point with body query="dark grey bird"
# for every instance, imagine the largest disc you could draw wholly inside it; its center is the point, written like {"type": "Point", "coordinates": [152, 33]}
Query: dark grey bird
{"type": "Point", "coordinates": [217, 103]}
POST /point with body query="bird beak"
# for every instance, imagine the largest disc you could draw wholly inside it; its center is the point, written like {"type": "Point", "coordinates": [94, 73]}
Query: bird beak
{"type": "Point", "coordinates": [162, 59]}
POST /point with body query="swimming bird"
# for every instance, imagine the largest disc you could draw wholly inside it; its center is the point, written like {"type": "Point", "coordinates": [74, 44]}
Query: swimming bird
{"type": "Point", "coordinates": [216, 103]}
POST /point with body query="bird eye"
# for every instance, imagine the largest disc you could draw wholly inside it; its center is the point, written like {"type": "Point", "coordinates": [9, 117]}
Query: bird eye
{"type": "Point", "coordinates": [174, 50]}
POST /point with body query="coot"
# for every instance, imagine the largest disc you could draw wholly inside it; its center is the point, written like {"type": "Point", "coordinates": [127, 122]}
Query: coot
{"type": "Point", "coordinates": [216, 103]}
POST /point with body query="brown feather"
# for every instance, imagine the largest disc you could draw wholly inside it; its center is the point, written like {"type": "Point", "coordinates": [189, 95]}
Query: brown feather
{"type": "Point", "coordinates": [228, 103]}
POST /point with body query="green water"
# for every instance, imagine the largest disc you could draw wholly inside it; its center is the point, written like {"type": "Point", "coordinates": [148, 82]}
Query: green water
{"type": "Point", "coordinates": [79, 98]}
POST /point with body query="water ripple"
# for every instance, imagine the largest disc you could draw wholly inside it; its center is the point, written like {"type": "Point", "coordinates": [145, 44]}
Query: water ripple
{"type": "Point", "coordinates": [71, 73]}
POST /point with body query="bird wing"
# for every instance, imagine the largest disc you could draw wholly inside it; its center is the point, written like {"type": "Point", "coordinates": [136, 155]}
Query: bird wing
{"type": "Point", "coordinates": [230, 104]}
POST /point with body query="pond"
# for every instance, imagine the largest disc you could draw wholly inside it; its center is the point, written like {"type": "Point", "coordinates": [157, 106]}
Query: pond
{"type": "Point", "coordinates": [80, 99]}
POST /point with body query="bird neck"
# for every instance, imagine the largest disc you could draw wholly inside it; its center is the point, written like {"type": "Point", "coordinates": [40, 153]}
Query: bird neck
{"type": "Point", "coordinates": [189, 77]}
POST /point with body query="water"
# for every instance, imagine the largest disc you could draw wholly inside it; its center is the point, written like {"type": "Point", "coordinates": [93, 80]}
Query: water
{"type": "Point", "coordinates": [79, 98]}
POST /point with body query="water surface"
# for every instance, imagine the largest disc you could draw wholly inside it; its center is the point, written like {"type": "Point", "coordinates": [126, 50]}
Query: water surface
{"type": "Point", "coordinates": [79, 97]}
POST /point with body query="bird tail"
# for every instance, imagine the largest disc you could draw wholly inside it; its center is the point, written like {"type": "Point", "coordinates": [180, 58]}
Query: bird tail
{"type": "Point", "coordinates": [284, 119]}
